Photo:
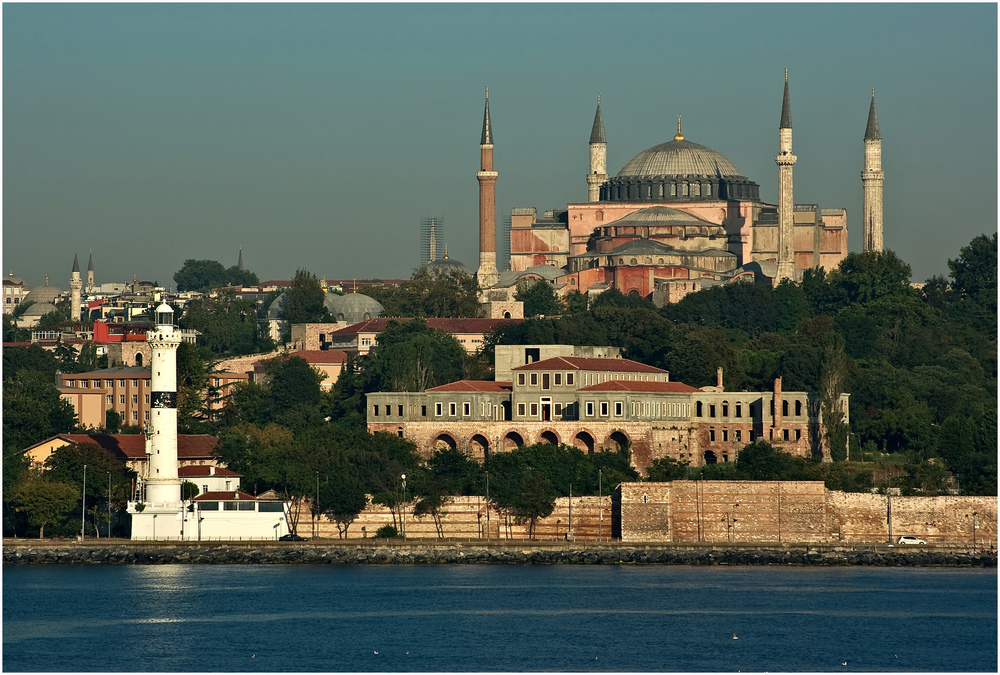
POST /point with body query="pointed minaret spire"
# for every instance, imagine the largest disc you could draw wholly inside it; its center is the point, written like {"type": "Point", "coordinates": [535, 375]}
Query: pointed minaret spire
{"type": "Point", "coordinates": [487, 138]}
{"type": "Point", "coordinates": [90, 271]}
{"type": "Point", "coordinates": [786, 107]}
{"type": "Point", "coordinates": [597, 133]}
{"type": "Point", "coordinates": [76, 264]}
{"type": "Point", "coordinates": [871, 132]}
{"type": "Point", "coordinates": [598, 174]}
{"type": "Point", "coordinates": [785, 160]}
{"type": "Point", "coordinates": [487, 274]}
{"type": "Point", "coordinates": [872, 178]}
{"type": "Point", "coordinates": [239, 263]}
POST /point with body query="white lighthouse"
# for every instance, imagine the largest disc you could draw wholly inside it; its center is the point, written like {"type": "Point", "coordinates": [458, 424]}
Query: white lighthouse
{"type": "Point", "coordinates": [157, 514]}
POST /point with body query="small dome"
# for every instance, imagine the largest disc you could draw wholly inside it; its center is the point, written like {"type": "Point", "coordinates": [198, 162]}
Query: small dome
{"type": "Point", "coordinates": [331, 301]}
{"type": "Point", "coordinates": [44, 293]}
{"type": "Point", "coordinates": [445, 267]}
{"type": "Point", "coordinates": [11, 279]}
{"type": "Point", "coordinates": [678, 158]}
{"type": "Point", "coordinates": [40, 309]}
{"type": "Point", "coordinates": [355, 308]}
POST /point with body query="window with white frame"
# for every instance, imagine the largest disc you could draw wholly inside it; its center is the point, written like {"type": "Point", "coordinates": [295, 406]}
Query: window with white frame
{"type": "Point", "coordinates": [618, 408]}
{"type": "Point", "coordinates": [466, 409]}
{"type": "Point", "coordinates": [438, 409]}
{"type": "Point", "coordinates": [604, 408]}
{"type": "Point", "coordinates": [590, 408]}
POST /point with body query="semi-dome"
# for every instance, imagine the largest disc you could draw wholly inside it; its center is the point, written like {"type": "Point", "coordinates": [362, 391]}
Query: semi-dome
{"type": "Point", "coordinates": [40, 309]}
{"type": "Point", "coordinates": [355, 308]}
{"type": "Point", "coordinates": [660, 215]}
{"type": "Point", "coordinates": [678, 158]}
{"type": "Point", "coordinates": [679, 171]}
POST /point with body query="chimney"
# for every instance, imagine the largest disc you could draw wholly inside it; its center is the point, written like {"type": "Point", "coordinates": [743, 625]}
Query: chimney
{"type": "Point", "coordinates": [211, 471]}
{"type": "Point", "coordinates": [718, 378]}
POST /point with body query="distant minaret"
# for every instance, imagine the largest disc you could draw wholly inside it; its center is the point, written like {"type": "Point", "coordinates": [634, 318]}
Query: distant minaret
{"type": "Point", "coordinates": [487, 274]}
{"type": "Point", "coordinates": [163, 487]}
{"type": "Point", "coordinates": [786, 205]}
{"type": "Point", "coordinates": [871, 178]}
{"type": "Point", "coordinates": [239, 263]}
{"type": "Point", "coordinates": [598, 157]}
{"type": "Point", "coordinates": [75, 285]}
{"type": "Point", "coordinates": [90, 271]}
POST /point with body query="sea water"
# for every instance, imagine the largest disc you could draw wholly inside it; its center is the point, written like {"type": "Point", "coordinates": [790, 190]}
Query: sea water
{"type": "Point", "coordinates": [497, 618]}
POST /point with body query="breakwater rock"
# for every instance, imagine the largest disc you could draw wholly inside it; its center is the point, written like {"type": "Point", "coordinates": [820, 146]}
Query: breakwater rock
{"type": "Point", "coordinates": [158, 554]}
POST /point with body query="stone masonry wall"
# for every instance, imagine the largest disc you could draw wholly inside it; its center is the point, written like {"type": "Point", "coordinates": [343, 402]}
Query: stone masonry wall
{"type": "Point", "coordinates": [768, 512]}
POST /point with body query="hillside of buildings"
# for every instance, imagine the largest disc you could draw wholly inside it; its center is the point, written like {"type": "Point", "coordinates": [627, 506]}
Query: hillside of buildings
{"type": "Point", "coordinates": [920, 365]}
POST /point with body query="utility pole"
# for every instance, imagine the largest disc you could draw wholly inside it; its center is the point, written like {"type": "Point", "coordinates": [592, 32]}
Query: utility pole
{"type": "Point", "coordinates": [316, 519]}
{"type": "Point", "coordinates": [569, 532]}
{"type": "Point", "coordinates": [600, 508]}
{"type": "Point", "coordinates": [109, 504]}
{"type": "Point", "coordinates": [83, 517]}
{"type": "Point", "coordinates": [487, 507]}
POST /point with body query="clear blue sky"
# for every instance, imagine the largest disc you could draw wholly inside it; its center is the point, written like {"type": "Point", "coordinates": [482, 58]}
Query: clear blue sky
{"type": "Point", "coordinates": [319, 135]}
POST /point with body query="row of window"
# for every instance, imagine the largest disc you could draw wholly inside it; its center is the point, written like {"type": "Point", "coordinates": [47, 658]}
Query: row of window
{"type": "Point", "coordinates": [787, 434]}
{"type": "Point", "coordinates": [738, 409]}
{"type": "Point", "coordinates": [96, 384]}
{"type": "Point", "coordinates": [272, 507]}
{"type": "Point", "coordinates": [110, 399]}
{"type": "Point", "coordinates": [548, 379]}
{"type": "Point", "coordinates": [654, 409]}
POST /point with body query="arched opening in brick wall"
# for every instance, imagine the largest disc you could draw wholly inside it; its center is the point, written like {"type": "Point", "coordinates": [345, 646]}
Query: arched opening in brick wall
{"type": "Point", "coordinates": [617, 440]}
{"type": "Point", "coordinates": [549, 437]}
{"type": "Point", "coordinates": [479, 448]}
{"type": "Point", "coordinates": [444, 441]}
{"type": "Point", "coordinates": [585, 442]}
{"type": "Point", "coordinates": [710, 457]}
{"type": "Point", "coordinates": [512, 440]}
{"type": "Point", "coordinates": [138, 359]}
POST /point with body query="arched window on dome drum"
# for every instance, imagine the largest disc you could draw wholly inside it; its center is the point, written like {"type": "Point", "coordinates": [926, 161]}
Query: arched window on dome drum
{"type": "Point", "coordinates": [659, 193]}
{"type": "Point", "coordinates": [649, 189]}
{"type": "Point", "coordinates": [673, 189]}
{"type": "Point", "coordinates": [649, 261]}
{"type": "Point", "coordinates": [684, 189]}
{"type": "Point", "coordinates": [695, 189]}
{"type": "Point", "coordinates": [708, 189]}
{"type": "Point", "coordinates": [633, 262]}
{"type": "Point", "coordinates": [621, 261]}
{"type": "Point", "coordinates": [660, 261]}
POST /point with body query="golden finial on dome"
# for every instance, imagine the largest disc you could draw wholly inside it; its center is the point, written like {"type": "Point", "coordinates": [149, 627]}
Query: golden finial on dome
{"type": "Point", "coordinates": [679, 136]}
{"type": "Point", "coordinates": [786, 73]}
{"type": "Point", "coordinates": [446, 251]}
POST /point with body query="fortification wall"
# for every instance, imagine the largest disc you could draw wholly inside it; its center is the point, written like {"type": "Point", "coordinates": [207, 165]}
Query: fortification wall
{"type": "Point", "coordinates": [769, 512]}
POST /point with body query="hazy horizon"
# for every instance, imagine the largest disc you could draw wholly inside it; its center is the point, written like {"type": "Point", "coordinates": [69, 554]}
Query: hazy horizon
{"type": "Point", "coordinates": [319, 135]}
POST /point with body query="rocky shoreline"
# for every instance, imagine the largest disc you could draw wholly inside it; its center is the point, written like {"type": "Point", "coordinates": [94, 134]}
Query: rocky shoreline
{"type": "Point", "coordinates": [139, 554]}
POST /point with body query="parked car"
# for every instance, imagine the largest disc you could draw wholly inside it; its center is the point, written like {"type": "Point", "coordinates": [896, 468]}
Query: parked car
{"type": "Point", "coordinates": [292, 537]}
{"type": "Point", "coordinates": [911, 540]}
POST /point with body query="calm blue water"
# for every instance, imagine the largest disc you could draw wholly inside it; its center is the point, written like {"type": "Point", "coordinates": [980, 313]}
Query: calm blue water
{"type": "Point", "coordinates": [508, 618]}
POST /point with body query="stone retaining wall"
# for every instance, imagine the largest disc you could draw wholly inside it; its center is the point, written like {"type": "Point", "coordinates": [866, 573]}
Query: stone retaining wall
{"type": "Point", "coordinates": [119, 554]}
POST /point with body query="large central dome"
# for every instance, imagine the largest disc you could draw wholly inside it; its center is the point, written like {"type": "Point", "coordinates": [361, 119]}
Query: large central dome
{"type": "Point", "coordinates": [679, 171]}
{"type": "Point", "coordinates": [678, 158]}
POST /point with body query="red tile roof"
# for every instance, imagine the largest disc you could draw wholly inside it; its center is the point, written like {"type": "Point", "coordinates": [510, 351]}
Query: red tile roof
{"type": "Point", "coordinates": [580, 363]}
{"type": "Point", "coordinates": [651, 387]}
{"type": "Point", "coordinates": [133, 446]}
{"type": "Point", "coordinates": [475, 385]}
{"type": "Point", "coordinates": [453, 326]}
{"type": "Point", "coordinates": [198, 470]}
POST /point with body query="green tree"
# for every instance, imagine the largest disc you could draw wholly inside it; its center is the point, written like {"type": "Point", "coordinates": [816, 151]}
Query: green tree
{"type": "Point", "coordinates": [32, 412]}
{"type": "Point", "coordinates": [65, 465]}
{"type": "Point", "coordinates": [975, 269]}
{"type": "Point", "coordinates": [200, 275]}
{"type": "Point", "coordinates": [834, 373]}
{"type": "Point", "coordinates": [43, 500]}
{"type": "Point", "coordinates": [539, 298]}
{"type": "Point", "coordinates": [227, 323]}
{"type": "Point", "coordinates": [189, 490]}
{"type": "Point", "coordinates": [238, 277]}
{"type": "Point", "coordinates": [304, 300]}
{"type": "Point", "coordinates": [666, 469]}
{"type": "Point", "coordinates": [11, 333]}
{"type": "Point", "coordinates": [762, 461]}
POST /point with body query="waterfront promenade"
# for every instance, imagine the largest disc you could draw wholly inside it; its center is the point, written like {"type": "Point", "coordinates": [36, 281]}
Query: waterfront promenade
{"type": "Point", "coordinates": [432, 551]}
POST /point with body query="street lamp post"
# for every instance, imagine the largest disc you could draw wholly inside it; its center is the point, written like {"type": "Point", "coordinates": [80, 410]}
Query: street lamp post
{"type": "Point", "coordinates": [316, 519]}
{"type": "Point", "coordinates": [975, 526]}
{"type": "Point", "coordinates": [83, 517]}
{"type": "Point", "coordinates": [569, 532]}
{"type": "Point", "coordinates": [735, 506]}
{"type": "Point", "coordinates": [487, 507]}
{"type": "Point", "coordinates": [109, 504]}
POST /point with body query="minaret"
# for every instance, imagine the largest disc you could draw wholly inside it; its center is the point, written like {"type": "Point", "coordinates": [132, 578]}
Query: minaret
{"type": "Point", "coordinates": [239, 263]}
{"type": "Point", "coordinates": [786, 205]}
{"type": "Point", "coordinates": [163, 487]}
{"type": "Point", "coordinates": [598, 157]}
{"type": "Point", "coordinates": [487, 274]}
{"type": "Point", "coordinates": [75, 285]}
{"type": "Point", "coordinates": [871, 178]}
{"type": "Point", "coordinates": [90, 271]}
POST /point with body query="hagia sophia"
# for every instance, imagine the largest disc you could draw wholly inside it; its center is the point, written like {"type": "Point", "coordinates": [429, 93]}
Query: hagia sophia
{"type": "Point", "coordinates": [677, 217]}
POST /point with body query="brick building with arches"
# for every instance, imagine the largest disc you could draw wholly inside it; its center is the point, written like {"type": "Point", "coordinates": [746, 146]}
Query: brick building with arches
{"type": "Point", "coordinates": [601, 403]}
